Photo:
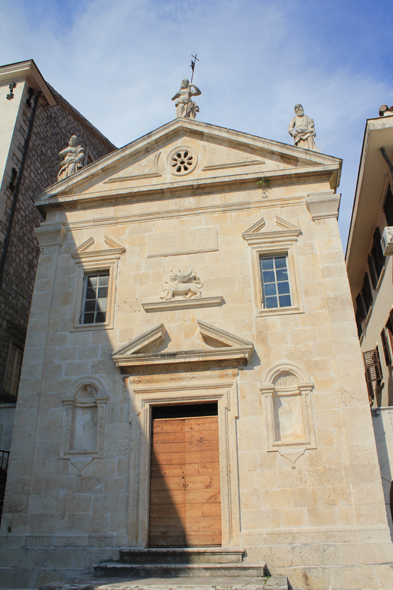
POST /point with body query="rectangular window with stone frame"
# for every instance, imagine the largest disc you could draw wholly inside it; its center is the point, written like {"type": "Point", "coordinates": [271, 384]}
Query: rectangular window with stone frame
{"type": "Point", "coordinates": [95, 298]}
{"type": "Point", "coordinates": [276, 289]}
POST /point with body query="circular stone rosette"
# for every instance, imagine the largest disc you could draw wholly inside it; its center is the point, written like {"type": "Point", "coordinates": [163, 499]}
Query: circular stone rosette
{"type": "Point", "coordinates": [182, 160]}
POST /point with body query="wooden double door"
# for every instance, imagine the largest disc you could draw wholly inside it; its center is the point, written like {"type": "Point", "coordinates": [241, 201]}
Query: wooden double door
{"type": "Point", "coordinates": [185, 501]}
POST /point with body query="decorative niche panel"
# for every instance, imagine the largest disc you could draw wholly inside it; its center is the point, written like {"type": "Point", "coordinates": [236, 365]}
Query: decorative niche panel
{"type": "Point", "coordinates": [83, 430]}
{"type": "Point", "coordinates": [288, 411]}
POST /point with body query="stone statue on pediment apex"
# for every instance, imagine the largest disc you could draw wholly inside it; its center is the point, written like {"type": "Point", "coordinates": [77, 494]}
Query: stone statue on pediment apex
{"type": "Point", "coordinates": [302, 129]}
{"type": "Point", "coordinates": [73, 157]}
{"type": "Point", "coordinates": [186, 284]}
{"type": "Point", "coordinates": [185, 107]}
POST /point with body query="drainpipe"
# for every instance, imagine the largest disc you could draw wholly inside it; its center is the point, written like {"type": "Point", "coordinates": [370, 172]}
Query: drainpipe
{"type": "Point", "coordinates": [17, 188]}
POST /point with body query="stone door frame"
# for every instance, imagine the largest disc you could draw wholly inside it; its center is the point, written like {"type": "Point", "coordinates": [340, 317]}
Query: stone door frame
{"type": "Point", "coordinates": [142, 400]}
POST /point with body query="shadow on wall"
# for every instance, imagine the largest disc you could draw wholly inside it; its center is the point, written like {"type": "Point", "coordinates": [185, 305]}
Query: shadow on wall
{"type": "Point", "coordinates": [383, 432]}
{"type": "Point", "coordinates": [70, 478]}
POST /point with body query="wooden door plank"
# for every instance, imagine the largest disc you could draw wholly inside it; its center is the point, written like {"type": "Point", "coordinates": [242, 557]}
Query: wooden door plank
{"type": "Point", "coordinates": [204, 539]}
{"type": "Point", "coordinates": [185, 498]}
{"type": "Point", "coordinates": [162, 448]}
{"type": "Point", "coordinates": [201, 444]}
{"type": "Point", "coordinates": [205, 423]}
{"type": "Point", "coordinates": [167, 426]}
{"type": "Point", "coordinates": [202, 457]}
{"type": "Point", "coordinates": [168, 437]}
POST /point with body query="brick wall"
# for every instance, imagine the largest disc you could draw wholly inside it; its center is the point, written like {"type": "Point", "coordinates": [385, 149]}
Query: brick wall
{"type": "Point", "coordinates": [53, 126]}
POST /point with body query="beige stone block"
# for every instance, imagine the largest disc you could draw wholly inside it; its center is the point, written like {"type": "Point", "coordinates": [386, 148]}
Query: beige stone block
{"type": "Point", "coordinates": [314, 303]}
{"type": "Point", "coordinates": [370, 514]}
{"type": "Point", "coordinates": [322, 516]}
{"type": "Point", "coordinates": [314, 554]}
{"type": "Point", "coordinates": [294, 517]}
{"type": "Point", "coordinates": [337, 495]}
{"type": "Point", "coordinates": [261, 519]}
{"type": "Point", "coordinates": [307, 497]}
{"type": "Point", "coordinates": [355, 577]}
{"type": "Point", "coordinates": [88, 352]}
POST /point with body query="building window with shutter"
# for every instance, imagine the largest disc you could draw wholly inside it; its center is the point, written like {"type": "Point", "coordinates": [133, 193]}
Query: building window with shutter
{"type": "Point", "coordinates": [367, 294]}
{"type": "Point", "coordinates": [387, 340]}
{"type": "Point", "coordinates": [376, 259]}
{"type": "Point", "coordinates": [388, 207]}
{"type": "Point", "coordinates": [372, 364]}
{"type": "Point", "coordinates": [360, 314]}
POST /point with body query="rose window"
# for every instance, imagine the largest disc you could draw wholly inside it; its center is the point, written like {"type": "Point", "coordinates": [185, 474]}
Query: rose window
{"type": "Point", "coordinates": [182, 161]}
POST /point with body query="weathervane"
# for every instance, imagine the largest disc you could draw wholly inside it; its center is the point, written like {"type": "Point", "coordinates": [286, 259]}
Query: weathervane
{"type": "Point", "coordinates": [185, 107]}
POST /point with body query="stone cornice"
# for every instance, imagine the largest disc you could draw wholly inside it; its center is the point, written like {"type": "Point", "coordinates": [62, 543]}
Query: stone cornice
{"type": "Point", "coordinates": [192, 211]}
{"type": "Point", "coordinates": [50, 234]}
{"type": "Point", "coordinates": [27, 70]}
{"type": "Point", "coordinates": [233, 348]}
{"type": "Point", "coordinates": [194, 302]}
{"type": "Point", "coordinates": [323, 205]}
{"type": "Point", "coordinates": [178, 188]}
{"type": "Point", "coordinates": [303, 163]}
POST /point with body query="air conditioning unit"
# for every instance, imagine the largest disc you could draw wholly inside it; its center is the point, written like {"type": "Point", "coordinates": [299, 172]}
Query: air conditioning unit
{"type": "Point", "coordinates": [387, 241]}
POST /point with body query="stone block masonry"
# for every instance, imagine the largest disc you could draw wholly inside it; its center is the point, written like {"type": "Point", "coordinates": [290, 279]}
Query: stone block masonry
{"type": "Point", "coordinates": [52, 128]}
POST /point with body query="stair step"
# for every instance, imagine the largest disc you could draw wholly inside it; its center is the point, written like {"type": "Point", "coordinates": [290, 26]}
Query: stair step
{"type": "Point", "coordinates": [184, 570]}
{"type": "Point", "coordinates": [265, 583]}
{"type": "Point", "coordinates": [181, 555]}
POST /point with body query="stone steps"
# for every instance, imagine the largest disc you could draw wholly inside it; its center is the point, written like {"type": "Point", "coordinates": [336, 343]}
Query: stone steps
{"type": "Point", "coordinates": [180, 570]}
{"type": "Point", "coordinates": [265, 583]}
{"type": "Point", "coordinates": [182, 555]}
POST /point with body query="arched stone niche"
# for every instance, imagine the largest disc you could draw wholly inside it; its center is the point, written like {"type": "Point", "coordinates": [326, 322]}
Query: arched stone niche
{"type": "Point", "coordinates": [84, 418]}
{"type": "Point", "coordinates": [288, 411]}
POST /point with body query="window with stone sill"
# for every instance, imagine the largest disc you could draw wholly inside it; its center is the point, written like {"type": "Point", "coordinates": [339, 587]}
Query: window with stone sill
{"type": "Point", "coordinates": [94, 295]}
{"type": "Point", "coordinates": [95, 278]}
{"type": "Point", "coordinates": [95, 298]}
{"type": "Point", "coordinates": [275, 271]}
{"type": "Point", "coordinates": [275, 282]}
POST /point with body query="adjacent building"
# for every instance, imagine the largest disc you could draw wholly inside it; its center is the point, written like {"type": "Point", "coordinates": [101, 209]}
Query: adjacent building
{"type": "Point", "coordinates": [35, 124]}
{"type": "Point", "coordinates": [370, 272]}
{"type": "Point", "coordinates": [192, 374]}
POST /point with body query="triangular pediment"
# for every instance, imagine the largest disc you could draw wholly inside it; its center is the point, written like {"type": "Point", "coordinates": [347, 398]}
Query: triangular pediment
{"type": "Point", "coordinates": [184, 152]}
{"type": "Point", "coordinates": [90, 249]}
{"type": "Point", "coordinates": [219, 346]}
{"type": "Point", "coordinates": [266, 229]}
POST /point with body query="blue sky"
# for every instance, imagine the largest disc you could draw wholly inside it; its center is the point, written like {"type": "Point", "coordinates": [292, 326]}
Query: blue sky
{"type": "Point", "coordinates": [119, 63]}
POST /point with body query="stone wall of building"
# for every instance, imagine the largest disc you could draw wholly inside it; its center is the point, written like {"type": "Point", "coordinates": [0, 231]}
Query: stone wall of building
{"type": "Point", "coordinates": [299, 473]}
{"type": "Point", "coordinates": [53, 126]}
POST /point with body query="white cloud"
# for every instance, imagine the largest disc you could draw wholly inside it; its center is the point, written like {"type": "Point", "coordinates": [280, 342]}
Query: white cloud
{"type": "Point", "coordinates": [120, 62]}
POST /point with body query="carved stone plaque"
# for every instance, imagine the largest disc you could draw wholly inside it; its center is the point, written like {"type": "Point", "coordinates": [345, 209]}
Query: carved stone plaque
{"type": "Point", "coordinates": [173, 243]}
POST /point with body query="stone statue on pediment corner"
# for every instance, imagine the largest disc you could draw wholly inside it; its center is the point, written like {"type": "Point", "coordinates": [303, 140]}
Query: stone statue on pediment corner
{"type": "Point", "coordinates": [302, 129]}
{"type": "Point", "coordinates": [73, 157]}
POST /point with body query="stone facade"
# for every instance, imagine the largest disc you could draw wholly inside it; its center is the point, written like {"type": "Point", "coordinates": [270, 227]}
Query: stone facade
{"type": "Point", "coordinates": [54, 121]}
{"type": "Point", "coordinates": [300, 483]}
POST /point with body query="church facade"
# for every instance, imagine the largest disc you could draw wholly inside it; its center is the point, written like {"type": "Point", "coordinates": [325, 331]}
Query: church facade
{"type": "Point", "coordinates": [192, 374]}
